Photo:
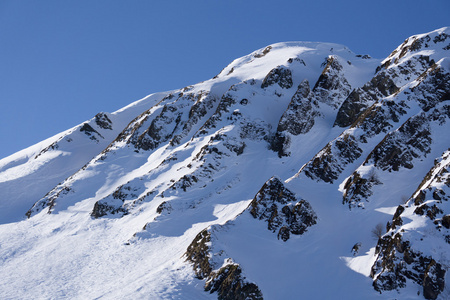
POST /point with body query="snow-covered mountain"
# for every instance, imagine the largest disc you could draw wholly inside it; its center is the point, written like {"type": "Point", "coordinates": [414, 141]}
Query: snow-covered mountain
{"type": "Point", "coordinates": [302, 170]}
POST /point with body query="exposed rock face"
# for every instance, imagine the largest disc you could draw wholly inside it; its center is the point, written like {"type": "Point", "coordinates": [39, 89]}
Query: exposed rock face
{"type": "Point", "coordinates": [358, 188]}
{"type": "Point", "coordinates": [194, 158]}
{"type": "Point", "coordinates": [102, 120]}
{"type": "Point", "coordinates": [332, 87]}
{"type": "Point", "coordinates": [400, 148]}
{"type": "Point", "coordinates": [282, 210]}
{"type": "Point", "coordinates": [163, 127]}
{"type": "Point", "coordinates": [397, 262]}
{"type": "Point", "coordinates": [330, 90]}
{"type": "Point", "coordinates": [114, 204]}
{"type": "Point", "coordinates": [263, 53]}
{"type": "Point", "coordinates": [228, 280]}
{"type": "Point", "coordinates": [198, 254]}
{"type": "Point", "coordinates": [328, 164]}
{"type": "Point", "coordinates": [102, 209]}
{"type": "Point", "coordinates": [300, 114]}
{"type": "Point", "coordinates": [229, 284]}
{"type": "Point", "coordinates": [362, 98]}
{"type": "Point", "coordinates": [396, 71]}
{"type": "Point", "coordinates": [91, 132]}
{"type": "Point", "coordinates": [48, 202]}
{"type": "Point", "coordinates": [294, 217]}
{"type": "Point", "coordinates": [401, 253]}
{"type": "Point", "coordinates": [280, 75]}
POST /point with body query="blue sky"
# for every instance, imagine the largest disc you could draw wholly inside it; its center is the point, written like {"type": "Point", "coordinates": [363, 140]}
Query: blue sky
{"type": "Point", "coordinates": [61, 62]}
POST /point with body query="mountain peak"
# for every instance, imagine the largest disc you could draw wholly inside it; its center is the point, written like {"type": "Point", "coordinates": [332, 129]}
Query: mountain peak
{"type": "Point", "coordinates": [299, 160]}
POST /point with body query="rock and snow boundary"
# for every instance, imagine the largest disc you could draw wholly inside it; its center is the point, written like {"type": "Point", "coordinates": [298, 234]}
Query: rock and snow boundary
{"type": "Point", "coordinates": [300, 170]}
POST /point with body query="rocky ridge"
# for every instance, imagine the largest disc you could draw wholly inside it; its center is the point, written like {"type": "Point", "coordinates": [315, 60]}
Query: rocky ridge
{"type": "Point", "coordinates": [221, 169]}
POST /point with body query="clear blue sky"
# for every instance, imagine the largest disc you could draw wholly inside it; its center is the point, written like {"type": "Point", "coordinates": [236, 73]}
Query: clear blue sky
{"type": "Point", "coordinates": [61, 62]}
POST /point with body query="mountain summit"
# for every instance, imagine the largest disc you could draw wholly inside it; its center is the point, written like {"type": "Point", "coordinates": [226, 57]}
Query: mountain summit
{"type": "Point", "coordinates": [302, 170]}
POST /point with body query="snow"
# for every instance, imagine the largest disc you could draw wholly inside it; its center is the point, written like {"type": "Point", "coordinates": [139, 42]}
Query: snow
{"type": "Point", "coordinates": [63, 252]}
{"type": "Point", "coordinates": [361, 264]}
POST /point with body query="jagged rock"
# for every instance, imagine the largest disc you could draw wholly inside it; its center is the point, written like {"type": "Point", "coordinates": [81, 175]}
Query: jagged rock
{"type": "Point", "coordinates": [102, 121]}
{"type": "Point", "coordinates": [397, 259]}
{"type": "Point", "coordinates": [332, 87]}
{"type": "Point", "coordinates": [434, 87]}
{"type": "Point", "coordinates": [161, 129]}
{"type": "Point", "coordinates": [49, 200]}
{"type": "Point", "coordinates": [446, 221]}
{"type": "Point", "coordinates": [225, 103]}
{"type": "Point", "coordinates": [114, 203]}
{"type": "Point", "coordinates": [280, 75]}
{"type": "Point", "coordinates": [263, 53]}
{"type": "Point", "coordinates": [434, 280]}
{"type": "Point", "coordinates": [282, 210]}
{"type": "Point", "coordinates": [91, 132]}
{"type": "Point", "coordinates": [230, 285]}
{"type": "Point", "coordinates": [355, 248]}
{"type": "Point", "coordinates": [164, 206]}
{"type": "Point", "coordinates": [329, 163]}
{"type": "Point", "coordinates": [176, 119]}
{"type": "Point", "coordinates": [396, 219]}
{"type": "Point", "coordinates": [390, 77]}
{"type": "Point", "coordinates": [358, 188]}
{"type": "Point", "coordinates": [102, 209]}
{"type": "Point", "coordinates": [390, 271]}
{"type": "Point", "coordinates": [362, 98]}
{"type": "Point", "coordinates": [280, 143]}
{"type": "Point", "coordinates": [399, 148]}
{"type": "Point", "coordinates": [184, 182]}
{"type": "Point", "coordinates": [299, 116]}
{"type": "Point", "coordinates": [228, 281]}
{"type": "Point", "coordinates": [198, 254]}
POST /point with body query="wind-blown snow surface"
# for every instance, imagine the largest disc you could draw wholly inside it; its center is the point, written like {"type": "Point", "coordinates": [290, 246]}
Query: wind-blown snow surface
{"type": "Point", "coordinates": [109, 208]}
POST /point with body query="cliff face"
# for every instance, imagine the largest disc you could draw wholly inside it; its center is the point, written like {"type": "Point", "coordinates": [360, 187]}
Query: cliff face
{"type": "Point", "coordinates": [274, 174]}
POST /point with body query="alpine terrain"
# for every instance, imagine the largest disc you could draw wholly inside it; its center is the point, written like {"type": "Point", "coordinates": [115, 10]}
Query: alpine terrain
{"type": "Point", "coordinates": [300, 171]}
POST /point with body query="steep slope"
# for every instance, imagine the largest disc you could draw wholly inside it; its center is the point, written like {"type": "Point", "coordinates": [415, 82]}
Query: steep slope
{"type": "Point", "coordinates": [271, 175]}
{"type": "Point", "coordinates": [415, 248]}
{"type": "Point", "coordinates": [40, 167]}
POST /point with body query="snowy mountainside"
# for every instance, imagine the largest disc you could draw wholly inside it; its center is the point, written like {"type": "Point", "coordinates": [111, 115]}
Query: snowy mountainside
{"type": "Point", "coordinates": [299, 165]}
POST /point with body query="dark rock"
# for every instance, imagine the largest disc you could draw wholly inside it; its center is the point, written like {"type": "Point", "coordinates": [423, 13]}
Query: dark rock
{"type": "Point", "coordinates": [102, 121]}
{"type": "Point", "coordinates": [229, 284]}
{"type": "Point", "coordinates": [280, 75]}
{"type": "Point", "coordinates": [399, 148]}
{"type": "Point", "coordinates": [391, 272]}
{"type": "Point", "coordinates": [355, 248]}
{"type": "Point", "coordinates": [264, 52]}
{"type": "Point", "coordinates": [300, 113]}
{"type": "Point", "coordinates": [434, 280]}
{"type": "Point", "coordinates": [198, 254]}
{"type": "Point", "coordinates": [362, 98]}
{"type": "Point", "coordinates": [164, 206]}
{"type": "Point", "coordinates": [49, 200]}
{"type": "Point", "coordinates": [332, 87]}
{"type": "Point", "coordinates": [89, 131]}
{"type": "Point", "coordinates": [102, 209]}
{"type": "Point", "coordinates": [358, 188]}
{"type": "Point", "coordinates": [294, 217]}
{"type": "Point", "coordinates": [420, 198]}
{"type": "Point", "coordinates": [280, 143]}
{"type": "Point", "coordinates": [283, 233]}
{"type": "Point", "coordinates": [228, 281]}
{"type": "Point", "coordinates": [446, 221]}
{"type": "Point", "coordinates": [328, 164]}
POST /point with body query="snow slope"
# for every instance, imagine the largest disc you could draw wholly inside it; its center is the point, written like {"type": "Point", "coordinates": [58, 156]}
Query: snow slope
{"type": "Point", "coordinates": [175, 193]}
